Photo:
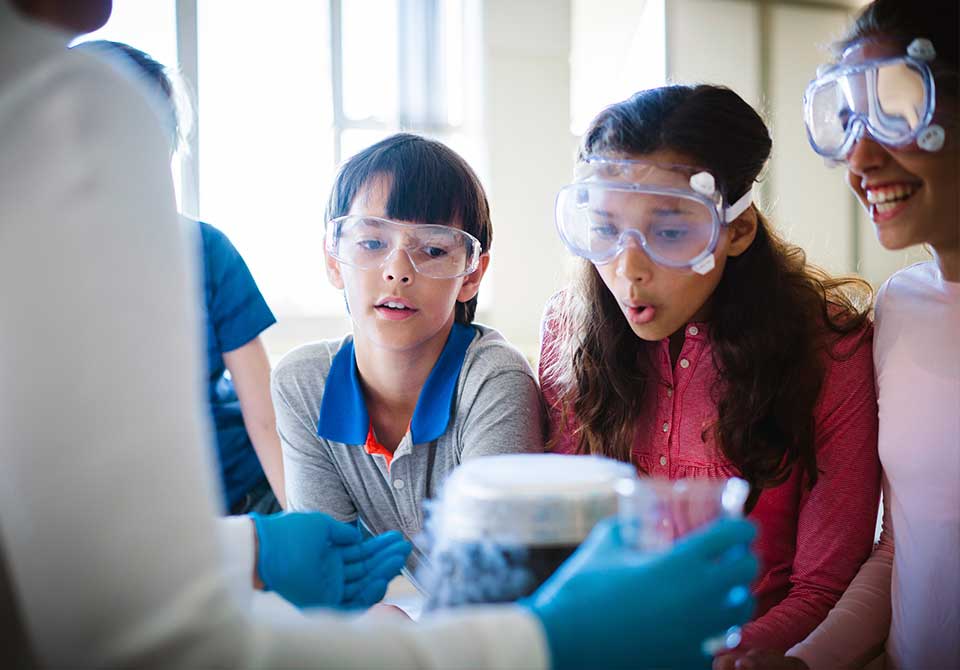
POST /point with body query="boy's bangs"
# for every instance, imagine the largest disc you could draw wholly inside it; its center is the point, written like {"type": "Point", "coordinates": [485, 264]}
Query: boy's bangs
{"type": "Point", "coordinates": [424, 190]}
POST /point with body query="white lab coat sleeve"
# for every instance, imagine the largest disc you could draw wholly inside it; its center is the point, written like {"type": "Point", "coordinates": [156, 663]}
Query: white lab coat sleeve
{"type": "Point", "coordinates": [107, 505]}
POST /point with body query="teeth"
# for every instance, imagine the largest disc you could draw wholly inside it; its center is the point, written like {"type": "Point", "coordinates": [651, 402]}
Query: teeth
{"type": "Point", "coordinates": [886, 206]}
{"type": "Point", "coordinates": [890, 194]}
{"type": "Point", "coordinates": [394, 305]}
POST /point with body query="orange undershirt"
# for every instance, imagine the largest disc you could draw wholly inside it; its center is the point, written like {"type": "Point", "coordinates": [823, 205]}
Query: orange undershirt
{"type": "Point", "coordinates": [374, 447]}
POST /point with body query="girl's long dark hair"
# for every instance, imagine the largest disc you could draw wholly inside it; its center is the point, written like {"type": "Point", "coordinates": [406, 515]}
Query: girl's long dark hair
{"type": "Point", "coordinates": [773, 316]}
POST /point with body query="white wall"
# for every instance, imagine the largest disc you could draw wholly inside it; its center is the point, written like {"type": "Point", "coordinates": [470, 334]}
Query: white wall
{"type": "Point", "coordinates": [531, 149]}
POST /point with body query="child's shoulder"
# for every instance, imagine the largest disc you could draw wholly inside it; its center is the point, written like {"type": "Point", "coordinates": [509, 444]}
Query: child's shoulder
{"type": "Point", "coordinates": [308, 362]}
{"type": "Point", "coordinates": [490, 353]}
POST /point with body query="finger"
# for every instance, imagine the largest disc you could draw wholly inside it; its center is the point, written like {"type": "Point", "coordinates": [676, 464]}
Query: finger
{"type": "Point", "coordinates": [715, 539]}
{"type": "Point", "coordinates": [366, 563]}
{"type": "Point", "coordinates": [383, 567]}
{"type": "Point", "coordinates": [386, 566]}
{"type": "Point", "coordinates": [605, 538]}
{"type": "Point", "coordinates": [342, 533]}
{"type": "Point", "coordinates": [371, 546]}
{"type": "Point", "coordinates": [369, 593]}
{"type": "Point", "coordinates": [393, 555]}
{"type": "Point", "coordinates": [389, 567]}
{"type": "Point", "coordinates": [738, 566]}
{"type": "Point", "coordinates": [740, 608]}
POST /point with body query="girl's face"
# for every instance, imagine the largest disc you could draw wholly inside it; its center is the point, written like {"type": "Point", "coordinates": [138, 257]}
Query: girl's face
{"type": "Point", "coordinates": [421, 308]}
{"type": "Point", "coordinates": [658, 301]}
{"type": "Point", "coordinates": [911, 194]}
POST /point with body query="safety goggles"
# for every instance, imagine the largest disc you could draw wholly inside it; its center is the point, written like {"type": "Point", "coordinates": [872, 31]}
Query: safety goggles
{"type": "Point", "coordinates": [369, 242]}
{"type": "Point", "coordinates": [892, 98]}
{"type": "Point", "coordinates": [674, 213]}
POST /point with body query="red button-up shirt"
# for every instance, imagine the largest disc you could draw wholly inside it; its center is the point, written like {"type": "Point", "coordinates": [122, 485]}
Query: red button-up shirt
{"type": "Point", "coordinates": [810, 542]}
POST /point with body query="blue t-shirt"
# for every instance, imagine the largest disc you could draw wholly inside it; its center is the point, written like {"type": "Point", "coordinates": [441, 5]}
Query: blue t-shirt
{"type": "Point", "coordinates": [235, 314]}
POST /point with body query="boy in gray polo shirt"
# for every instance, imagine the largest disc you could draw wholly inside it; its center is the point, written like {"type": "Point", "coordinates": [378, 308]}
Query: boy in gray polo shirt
{"type": "Point", "coordinates": [373, 424]}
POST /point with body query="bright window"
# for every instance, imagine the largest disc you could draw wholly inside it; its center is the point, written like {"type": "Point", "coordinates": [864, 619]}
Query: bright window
{"type": "Point", "coordinates": [285, 91]}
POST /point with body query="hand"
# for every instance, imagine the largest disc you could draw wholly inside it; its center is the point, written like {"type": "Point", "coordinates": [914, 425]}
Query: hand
{"type": "Point", "coordinates": [610, 606]}
{"type": "Point", "coordinates": [758, 659]}
{"type": "Point", "coordinates": [313, 560]}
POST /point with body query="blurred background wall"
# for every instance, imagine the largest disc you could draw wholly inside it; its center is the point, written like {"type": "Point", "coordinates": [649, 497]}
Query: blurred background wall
{"type": "Point", "coordinates": [285, 91]}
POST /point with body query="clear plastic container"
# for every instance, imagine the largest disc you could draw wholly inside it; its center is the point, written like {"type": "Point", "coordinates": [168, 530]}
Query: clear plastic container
{"type": "Point", "coordinates": [654, 513]}
{"type": "Point", "coordinates": [503, 524]}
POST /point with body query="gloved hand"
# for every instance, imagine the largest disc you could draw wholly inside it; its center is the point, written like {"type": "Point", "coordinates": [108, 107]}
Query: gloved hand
{"type": "Point", "coordinates": [610, 606]}
{"type": "Point", "coordinates": [313, 560]}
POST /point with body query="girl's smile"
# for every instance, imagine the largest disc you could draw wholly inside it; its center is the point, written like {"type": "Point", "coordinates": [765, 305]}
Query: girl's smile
{"type": "Point", "coordinates": [887, 200]}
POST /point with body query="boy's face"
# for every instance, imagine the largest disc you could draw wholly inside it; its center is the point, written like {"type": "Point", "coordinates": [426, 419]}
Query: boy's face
{"type": "Point", "coordinates": [395, 307]}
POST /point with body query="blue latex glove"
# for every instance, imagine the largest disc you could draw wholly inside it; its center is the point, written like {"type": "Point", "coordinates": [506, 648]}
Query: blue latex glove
{"type": "Point", "coordinates": [313, 560]}
{"type": "Point", "coordinates": [609, 606]}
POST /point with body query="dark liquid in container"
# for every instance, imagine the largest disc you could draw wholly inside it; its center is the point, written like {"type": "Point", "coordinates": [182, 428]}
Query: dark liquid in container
{"type": "Point", "coordinates": [484, 572]}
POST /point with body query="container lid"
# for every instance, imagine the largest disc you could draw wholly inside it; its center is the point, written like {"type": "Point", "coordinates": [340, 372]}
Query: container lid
{"type": "Point", "coordinates": [531, 499]}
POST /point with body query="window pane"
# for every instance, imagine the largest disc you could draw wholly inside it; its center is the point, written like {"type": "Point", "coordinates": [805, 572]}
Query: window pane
{"type": "Point", "coordinates": [452, 17]}
{"type": "Point", "coordinates": [369, 37]}
{"type": "Point", "coordinates": [266, 150]}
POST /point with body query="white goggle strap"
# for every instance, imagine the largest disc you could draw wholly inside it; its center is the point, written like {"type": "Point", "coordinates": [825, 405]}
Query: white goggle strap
{"type": "Point", "coordinates": [729, 214]}
{"type": "Point", "coordinates": [703, 183]}
{"type": "Point", "coordinates": [739, 207]}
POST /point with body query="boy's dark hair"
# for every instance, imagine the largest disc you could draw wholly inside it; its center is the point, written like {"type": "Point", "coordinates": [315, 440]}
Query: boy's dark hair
{"type": "Point", "coordinates": [431, 183]}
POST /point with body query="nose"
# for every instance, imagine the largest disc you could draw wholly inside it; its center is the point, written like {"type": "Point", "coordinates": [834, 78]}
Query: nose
{"type": "Point", "coordinates": [398, 267]}
{"type": "Point", "coordinates": [633, 263]}
{"type": "Point", "coordinates": [866, 155]}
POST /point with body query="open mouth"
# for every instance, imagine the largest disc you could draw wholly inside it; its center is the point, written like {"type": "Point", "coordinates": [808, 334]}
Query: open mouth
{"type": "Point", "coordinates": [395, 309]}
{"type": "Point", "coordinates": [641, 314]}
{"type": "Point", "coordinates": [887, 200]}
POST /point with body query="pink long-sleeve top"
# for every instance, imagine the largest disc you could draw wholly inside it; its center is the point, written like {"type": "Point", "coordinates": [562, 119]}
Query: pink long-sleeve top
{"type": "Point", "coordinates": [909, 598]}
{"type": "Point", "coordinates": [810, 542]}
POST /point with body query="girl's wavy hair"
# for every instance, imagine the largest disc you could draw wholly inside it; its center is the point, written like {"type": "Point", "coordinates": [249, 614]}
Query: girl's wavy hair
{"type": "Point", "coordinates": [773, 315]}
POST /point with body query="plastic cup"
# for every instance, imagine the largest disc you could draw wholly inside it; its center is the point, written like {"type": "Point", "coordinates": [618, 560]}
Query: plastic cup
{"type": "Point", "coordinates": [654, 513]}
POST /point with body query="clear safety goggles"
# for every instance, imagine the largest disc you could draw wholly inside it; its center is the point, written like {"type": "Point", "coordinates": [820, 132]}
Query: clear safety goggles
{"type": "Point", "coordinates": [674, 213]}
{"type": "Point", "coordinates": [892, 98]}
{"type": "Point", "coordinates": [369, 242]}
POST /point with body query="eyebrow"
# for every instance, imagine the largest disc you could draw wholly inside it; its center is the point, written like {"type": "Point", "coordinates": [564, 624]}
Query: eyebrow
{"type": "Point", "coordinates": [671, 210]}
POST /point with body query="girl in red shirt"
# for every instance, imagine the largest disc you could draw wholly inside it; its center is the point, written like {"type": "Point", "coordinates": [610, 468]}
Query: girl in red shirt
{"type": "Point", "coordinates": [696, 342]}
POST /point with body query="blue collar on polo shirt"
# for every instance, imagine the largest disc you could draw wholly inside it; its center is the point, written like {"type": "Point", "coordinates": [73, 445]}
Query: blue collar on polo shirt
{"type": "Point", "coordinates": [343, 410]}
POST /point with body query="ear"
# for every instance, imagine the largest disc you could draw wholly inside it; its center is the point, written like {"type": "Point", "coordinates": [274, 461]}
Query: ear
{"type": "Point", "coordinates": [743, 230]}
{"type": "Point", "coordinates": [333, 271]}
{"type": "Point", "coordinates": [471, 284]}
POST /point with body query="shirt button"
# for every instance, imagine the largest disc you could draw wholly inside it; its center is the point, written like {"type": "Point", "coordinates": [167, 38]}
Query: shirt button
{"type": "Point", "coordinates": [693, 330]}
{"type": "Point", "coordinates": [666, 426]}
{"type": "Point", "coordinates": [684, 363]}
{"type": "Point", "coordinates": [663, 460]}
{"type": "Point", "coordinates": [669, 392]}
{"type": "Point", "coordinates": [398, 484]}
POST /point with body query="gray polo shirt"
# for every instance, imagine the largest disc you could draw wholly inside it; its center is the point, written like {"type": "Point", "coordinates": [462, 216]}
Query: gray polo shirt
{"type": "Point", "coordinates": [481, 398]}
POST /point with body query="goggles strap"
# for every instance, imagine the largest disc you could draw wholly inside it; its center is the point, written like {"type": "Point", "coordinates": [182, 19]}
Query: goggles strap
{"type": "Point", "coordinates": [739, 207]}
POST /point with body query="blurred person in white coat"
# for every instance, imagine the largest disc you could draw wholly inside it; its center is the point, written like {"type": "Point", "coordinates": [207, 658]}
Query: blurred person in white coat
{"type": "Point", "coordinates": [110, 552]}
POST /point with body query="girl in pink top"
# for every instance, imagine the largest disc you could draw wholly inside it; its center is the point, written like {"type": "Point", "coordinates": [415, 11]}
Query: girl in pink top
{"type": "Point", "coordinates": [696, 342]}
{"type": "Point", "coordinates": [903, 167]}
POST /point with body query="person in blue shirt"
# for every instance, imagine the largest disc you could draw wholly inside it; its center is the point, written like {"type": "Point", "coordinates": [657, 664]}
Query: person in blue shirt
{"type": "Point", "coordinates": [238, 370]}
